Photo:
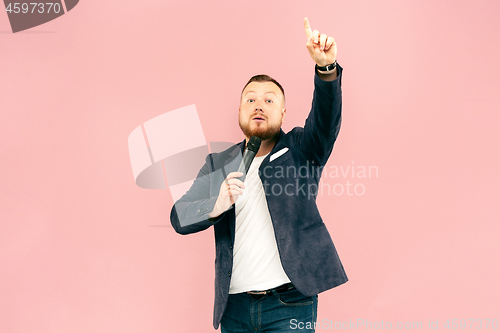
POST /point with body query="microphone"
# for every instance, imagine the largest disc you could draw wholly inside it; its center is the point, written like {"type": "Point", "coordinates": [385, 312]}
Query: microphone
{"type": "Point", "coordinates": [251, 150]}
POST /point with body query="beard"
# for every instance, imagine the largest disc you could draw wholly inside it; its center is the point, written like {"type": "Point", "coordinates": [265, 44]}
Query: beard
{"type": "Point", "coordinates": [263, 132]}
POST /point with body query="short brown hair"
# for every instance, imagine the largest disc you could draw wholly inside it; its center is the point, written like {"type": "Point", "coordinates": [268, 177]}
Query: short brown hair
{"type": "Point", "coordinates": [264, 78]}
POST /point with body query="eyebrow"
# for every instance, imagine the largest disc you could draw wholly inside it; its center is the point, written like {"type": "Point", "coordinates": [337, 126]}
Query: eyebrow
{"type": "Point", "coordinates": [267, 92]}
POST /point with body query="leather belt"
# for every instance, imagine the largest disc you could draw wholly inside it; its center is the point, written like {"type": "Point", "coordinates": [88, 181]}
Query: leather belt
{"type": "Point", "coordinates": [272, 291]}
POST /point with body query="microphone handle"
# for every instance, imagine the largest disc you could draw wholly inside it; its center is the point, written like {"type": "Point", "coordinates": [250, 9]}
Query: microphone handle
{"type": "Point", "coordinates": [248, 157]}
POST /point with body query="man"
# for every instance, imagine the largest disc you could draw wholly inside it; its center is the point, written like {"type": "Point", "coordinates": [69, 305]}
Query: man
{"type": "Point", "coordinates": [273, 251]}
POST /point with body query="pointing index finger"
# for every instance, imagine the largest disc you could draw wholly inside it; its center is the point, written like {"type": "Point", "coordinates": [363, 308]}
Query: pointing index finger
{"type": "Point", "coordinates": [307, 28]}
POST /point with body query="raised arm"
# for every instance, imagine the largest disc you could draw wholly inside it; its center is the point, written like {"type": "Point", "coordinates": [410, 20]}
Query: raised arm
{"type": "Point", "coordinates": [323, 122]}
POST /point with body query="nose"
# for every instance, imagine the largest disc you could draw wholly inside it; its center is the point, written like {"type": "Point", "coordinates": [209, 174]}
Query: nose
{"type": "Point", "coordinates": [258, 106]}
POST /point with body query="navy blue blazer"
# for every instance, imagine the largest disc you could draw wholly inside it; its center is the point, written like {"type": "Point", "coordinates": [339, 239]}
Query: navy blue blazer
{"type": "Point", "coordinates": [290, 182]}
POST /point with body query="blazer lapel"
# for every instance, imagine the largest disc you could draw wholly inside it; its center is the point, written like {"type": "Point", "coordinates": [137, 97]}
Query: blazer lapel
{"type": "Point", "coordinates": [277, 147]}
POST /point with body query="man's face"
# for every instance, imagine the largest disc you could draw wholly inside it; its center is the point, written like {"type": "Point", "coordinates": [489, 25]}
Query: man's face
{"type": "Point", "coordinates": [262, 110]}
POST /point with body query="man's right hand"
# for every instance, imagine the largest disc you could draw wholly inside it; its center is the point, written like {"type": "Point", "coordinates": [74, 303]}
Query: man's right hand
{"type": "Point", "coordinates": [230, 190]}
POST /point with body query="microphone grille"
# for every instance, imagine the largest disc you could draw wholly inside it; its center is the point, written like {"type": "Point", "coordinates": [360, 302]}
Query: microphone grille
{"type": "Point", "coordinates": [254, 144]}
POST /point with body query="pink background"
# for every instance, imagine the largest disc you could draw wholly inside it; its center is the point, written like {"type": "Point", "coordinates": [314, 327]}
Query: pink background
{"type": "Point", "coordinates": [84, 249]}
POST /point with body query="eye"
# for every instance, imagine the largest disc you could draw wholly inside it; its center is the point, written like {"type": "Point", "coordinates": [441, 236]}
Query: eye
{"type": "Point", "coordinates": [269, 100]}
{"type": "Point", "coordinates": [251, 100]}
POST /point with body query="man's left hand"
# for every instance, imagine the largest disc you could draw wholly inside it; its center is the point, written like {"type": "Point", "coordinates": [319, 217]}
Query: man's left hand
{"type": "Point", "coordinates": [322, 48]}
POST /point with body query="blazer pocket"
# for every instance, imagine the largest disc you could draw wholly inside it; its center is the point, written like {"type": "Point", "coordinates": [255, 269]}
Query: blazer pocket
{"type": "Point", "coordinates": [281, 159]}
{"type": "Point", "coordinates": [278, 154]}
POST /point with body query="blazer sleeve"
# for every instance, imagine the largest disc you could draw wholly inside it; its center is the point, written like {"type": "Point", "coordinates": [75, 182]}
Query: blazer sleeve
{"type": "Point", "coordinates": [322, 125]}
{"type": "Point", "coordinates": [189, 214]}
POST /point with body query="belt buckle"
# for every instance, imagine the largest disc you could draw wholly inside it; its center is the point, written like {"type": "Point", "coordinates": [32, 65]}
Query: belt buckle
{"type": "Point", "coordinates": [278, 290]}
{"type": "Point", "coordinates": [257, 292]}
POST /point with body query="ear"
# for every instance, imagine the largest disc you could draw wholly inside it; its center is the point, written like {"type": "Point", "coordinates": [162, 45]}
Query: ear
{"type": "Point", "coordinates": [283, 114]}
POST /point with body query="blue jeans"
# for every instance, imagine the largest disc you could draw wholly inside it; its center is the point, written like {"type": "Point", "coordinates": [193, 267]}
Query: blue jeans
{"type": "Point", "coordinates": [289, 311]}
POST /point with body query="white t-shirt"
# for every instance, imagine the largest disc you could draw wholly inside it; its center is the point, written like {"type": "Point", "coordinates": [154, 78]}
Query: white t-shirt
{"type": "Point", "coordinates": [256, 261]}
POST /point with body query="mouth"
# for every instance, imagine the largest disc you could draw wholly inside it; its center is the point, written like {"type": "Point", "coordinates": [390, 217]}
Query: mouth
{"type": "Point", "coordinates": [258, 118]}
